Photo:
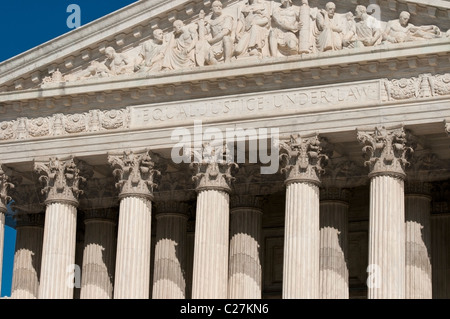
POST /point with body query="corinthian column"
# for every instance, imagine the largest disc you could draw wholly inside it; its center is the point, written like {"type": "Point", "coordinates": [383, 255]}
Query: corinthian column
{"type": "Point", "coordinates": [386, 157]}
{"type": "Point", "coordinates": [169, 279]}
{"type": "Point", "coordinates": [27, 257]}
{"type": "Point", "coordinates": [99, 254]}
{"type": "Point", "coordinates": [302, 163]}
{"type": "Point", "coordinates": [61, 178]}
{"type": "Point", "coordinates": [418, 240]}
{"type": "Point", "coordinates": [245, 280]}
{"type": "Point", "coordinates": [333, 243]}
{"type": "Point", "coordinates": [213, 179]}
{"type": "Point", "coordinates": [135, 173]}
{"type": "Point", "coordinates": [5, 185]}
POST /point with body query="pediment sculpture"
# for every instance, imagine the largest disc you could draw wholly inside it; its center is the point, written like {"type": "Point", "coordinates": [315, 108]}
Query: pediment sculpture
{"type": "Point", "coordinates": [258, 29]}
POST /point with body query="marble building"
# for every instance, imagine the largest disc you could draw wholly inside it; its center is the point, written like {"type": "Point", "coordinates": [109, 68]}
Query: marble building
{"type": "Point", "coordinates": [356, 94]}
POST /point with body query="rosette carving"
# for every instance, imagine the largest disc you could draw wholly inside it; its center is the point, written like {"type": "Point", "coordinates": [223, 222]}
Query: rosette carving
{"type": "Point", "coordinates": [39, 127]}
{"type": "Point", "coordinates": [75, 123]}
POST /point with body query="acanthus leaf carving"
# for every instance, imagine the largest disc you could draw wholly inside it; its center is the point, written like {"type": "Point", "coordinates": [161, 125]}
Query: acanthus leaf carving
{"type": "Point", "coordinates": [135, 173]}
{"type": "Point", "coordinates": [99, 194]}
{"type": "Point", "coordinates": [302, 159]}
{"type": "Point", "coordinates": [343, 173]}
{"type": "Point", "coordinates": [28, 199]}
{"type": "Point", "coordinates": [5, 186]}
{"type": "Point", "coordinates": [62, 179]}
{"type": "Point", "coordinates": [385, 150]}
{"type": "Point", "coordinates": [213, 168]}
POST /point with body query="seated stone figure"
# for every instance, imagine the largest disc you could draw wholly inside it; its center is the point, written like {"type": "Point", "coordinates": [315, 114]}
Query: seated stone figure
{"type": "Point", "coordinates": [117, 63]}
{"type": "Point", "coordinates": [215, 36]}
{"type": "Point", "coordinates": [152, 53]}
{"type": "Point", "coordinates": [349, 31]}
{"type": "Point", "coordinates": [253, 30]}
{"type": "Point", "coordinates": [330, 27]}
{"type": "Point", "coordinates": [368, 29]}
{"type": "Point", "coordinates": [400, 30]}
{"type": "Point", "coordinates": [180, 52]}
{"type": "Point", "coordinates": [283, 37]}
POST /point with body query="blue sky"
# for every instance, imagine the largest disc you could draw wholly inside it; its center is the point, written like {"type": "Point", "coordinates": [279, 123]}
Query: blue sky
{"type": "Point", "coordinates": [25, 24]}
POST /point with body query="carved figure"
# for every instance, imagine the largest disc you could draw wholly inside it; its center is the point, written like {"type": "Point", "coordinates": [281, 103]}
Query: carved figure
{"type": "Point", "coordinates": [400, 30]}
{"type": "Point", "coordinates": [179, 53]}
{"type": "Point", "coordinates": [117, 63]}
{"type": "Point", "coordinates": [349, 31]}
{"type": "Point", "coordinates": [330, 27]}
{"type": "Point", "coordinates": [253, 30]}
{"type": "Point", "coordinates": [216, 37]}
{"type": "Point", "coordinates": [368, 29]}
{"type": "Point", "coordinates": [152, 53]}
{"type": "Point", "coordinates": [283, 37]}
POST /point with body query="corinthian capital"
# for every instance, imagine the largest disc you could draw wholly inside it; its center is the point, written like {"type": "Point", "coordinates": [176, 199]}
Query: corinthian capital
{"type": "Point", "coordinates": [5, 186]}
{"type": "Point", "coordinates": [385, 150]}
{"type": "Point", "coordinates": [62, 178]}
{"type": "Point", "coordinates": [215, 171]}
{"type": "Point", "coordinates": [302, 159]}
{"type": "Point", "coordinates": [135, 173]}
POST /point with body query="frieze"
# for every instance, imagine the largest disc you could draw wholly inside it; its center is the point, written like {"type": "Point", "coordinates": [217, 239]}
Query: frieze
{"type": "Point", "coordinates": [64, 124]}
{"type": "Point", "coordinates": [251, 29]}
{"type": "Point", "coordinates": [290, 101]}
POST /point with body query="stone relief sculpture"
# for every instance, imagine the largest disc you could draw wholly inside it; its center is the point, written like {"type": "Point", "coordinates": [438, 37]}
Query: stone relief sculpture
{"type": "Point", "coordinates": [253, 30]}
{"type": "Point", "coordinates": [368, 29]}
{"type": "Point", "coordinates": [286, 24]}
{"type": "Point", "coordinates": [216, 37]}
{"type": "Point", "coordinates": [180, 51]}
{"type": "Point", "coordinates": [117, 63]}
{"type": "Point", "coordinates": [151, 55]}
{"type": "Point", "coordinates": [400, 30]}
{"type": "Point", "coordinates": [330, 29]}
{"type": "Point", "coordinates": [258, 29]}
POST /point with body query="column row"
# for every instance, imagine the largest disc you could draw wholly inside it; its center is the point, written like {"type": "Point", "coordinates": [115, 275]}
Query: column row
{"type": "Point", "coordinates": [315, 233]}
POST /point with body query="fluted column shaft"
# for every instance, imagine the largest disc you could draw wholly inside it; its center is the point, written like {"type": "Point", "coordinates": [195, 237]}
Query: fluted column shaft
{"type": "Point", "coordinates": [210, 273]}
{"type": "Point", "coordinates": [190, 243]}
{"type": "Point", "coordinates": [418, 247]}
{"type": "Point", "coordinates": [135, 173]}
{"type": "Point", "coordinates": [245, 253]}
{"type": "Point", "coordinates": [98, 259]}
{"type": "Point", "coordinates": [440, 230]}
{"type": "Point", "coordinates": [169, 279]}
{"type": "Point", "coordinates": [333, 250]}
{"type": "Point", "coordinates": [301, 242]}
{"type": "Point", "coordinates": [132, 278]}
{"type": "Point", "coordinates": [2, 236]}
{"type": "Point", "coordinates": [387, 238]}
{"type": "Point", "coordinates": [387, 150]}
{"type": "Point", "coordinates": [27, 262]}
{"type": "Point", "coordinates": [58, 251]}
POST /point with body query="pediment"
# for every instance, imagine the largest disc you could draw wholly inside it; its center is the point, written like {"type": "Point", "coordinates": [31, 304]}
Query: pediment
{"type": "Point", "coordinates": [79, 57]}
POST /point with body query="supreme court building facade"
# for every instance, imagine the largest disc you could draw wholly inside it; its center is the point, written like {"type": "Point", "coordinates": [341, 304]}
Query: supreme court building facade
{"type": "Point", "coordinates": [234, 149]}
